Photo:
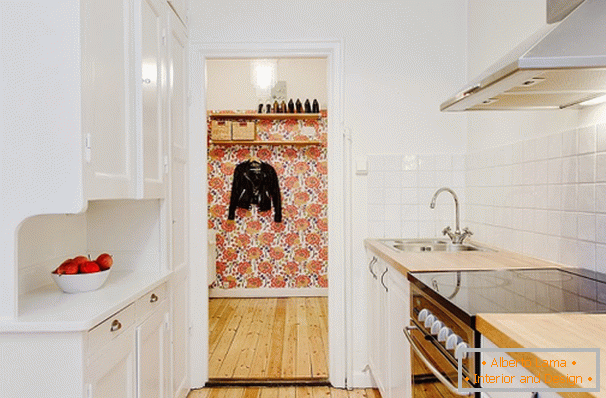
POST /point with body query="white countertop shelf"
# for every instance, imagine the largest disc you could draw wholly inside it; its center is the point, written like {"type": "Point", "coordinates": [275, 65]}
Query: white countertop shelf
{"type": "Point", "coordinates": [48, 309]}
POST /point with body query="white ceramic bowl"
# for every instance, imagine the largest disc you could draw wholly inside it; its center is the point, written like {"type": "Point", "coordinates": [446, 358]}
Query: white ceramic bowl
{"type": "Point", "coordinates": [78, 283]}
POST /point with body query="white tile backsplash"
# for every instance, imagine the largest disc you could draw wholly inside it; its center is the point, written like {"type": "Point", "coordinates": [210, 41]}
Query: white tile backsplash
{"type": "Point", "coordinates": [545, 197]}
{"type": "Point", "coordinates": [552, 202]}
{"type": "Point", "coordinates": [400, 188]}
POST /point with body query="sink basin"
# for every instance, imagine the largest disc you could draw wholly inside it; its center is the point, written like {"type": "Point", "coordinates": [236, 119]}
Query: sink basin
{"type": "Point", "coordinates": [430, 245]}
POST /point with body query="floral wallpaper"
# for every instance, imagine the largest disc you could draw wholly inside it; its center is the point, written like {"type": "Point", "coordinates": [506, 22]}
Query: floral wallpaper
{"type": "Point", "coordinates": [253, 250]}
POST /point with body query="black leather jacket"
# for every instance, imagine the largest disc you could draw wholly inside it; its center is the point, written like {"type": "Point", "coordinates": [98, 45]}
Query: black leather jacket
{"type": "Point", "coordinates": [255, 183]}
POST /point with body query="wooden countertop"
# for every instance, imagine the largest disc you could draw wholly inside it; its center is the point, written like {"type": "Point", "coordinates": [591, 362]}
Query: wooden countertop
{"type": "Point", "coordinates": [512, 330]}
{"type": "Point", "coordinates": [439, 261]}
{"type": "Point", "coordinates": [550, 331]}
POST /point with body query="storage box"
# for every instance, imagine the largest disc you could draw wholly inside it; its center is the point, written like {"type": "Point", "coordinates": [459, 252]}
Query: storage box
{"type": "Point", "coordinates": [243, 130]}
{"type": "Point", "coordinates": [220, 130]}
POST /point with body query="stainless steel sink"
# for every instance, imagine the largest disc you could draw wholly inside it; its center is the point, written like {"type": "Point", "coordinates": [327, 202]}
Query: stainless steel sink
{"type": "Point", "coordinates": [430, 245]}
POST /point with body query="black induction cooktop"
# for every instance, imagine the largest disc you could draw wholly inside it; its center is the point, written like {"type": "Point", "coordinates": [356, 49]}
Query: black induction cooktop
{"type": "Point", "coordinates": [545, 290]}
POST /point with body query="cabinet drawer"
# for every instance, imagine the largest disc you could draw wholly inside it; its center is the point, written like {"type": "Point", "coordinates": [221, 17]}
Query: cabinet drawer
{"type": "Point", "coordinates": [149, 301]}
{"type": "Point", "coordinates": [111, 328]}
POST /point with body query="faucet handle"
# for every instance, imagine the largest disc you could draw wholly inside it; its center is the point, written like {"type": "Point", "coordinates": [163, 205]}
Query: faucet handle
{"type": "Point", "coordinates": [467, 231]}
{"type": "Point", "coordinates": [446, 230]}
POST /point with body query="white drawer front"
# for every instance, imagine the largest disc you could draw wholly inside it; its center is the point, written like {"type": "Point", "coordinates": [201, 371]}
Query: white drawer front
{"type": "Point", "coordinates": [111, 328]}
{"type": "Point", "coordinates": [150, 300]}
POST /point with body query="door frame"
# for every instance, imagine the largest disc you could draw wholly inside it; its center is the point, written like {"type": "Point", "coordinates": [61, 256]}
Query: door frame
{"type": "Point", "coordinates": [340, 350]}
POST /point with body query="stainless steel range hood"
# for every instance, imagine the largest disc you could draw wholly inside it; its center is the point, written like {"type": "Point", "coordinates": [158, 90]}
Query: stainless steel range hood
{"type": "Point", "coordinates": [558, 67]}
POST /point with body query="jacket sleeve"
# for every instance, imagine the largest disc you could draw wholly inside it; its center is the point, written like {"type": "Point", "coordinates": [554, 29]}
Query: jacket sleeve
{"type": "Point", "coordinates": [236, 186]}
{"type": "Point", "coordinates": [274, 192]}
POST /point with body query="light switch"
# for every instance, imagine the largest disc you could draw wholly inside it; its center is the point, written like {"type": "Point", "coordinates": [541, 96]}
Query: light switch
{"type": "Point", "coordinates": [361, 167]}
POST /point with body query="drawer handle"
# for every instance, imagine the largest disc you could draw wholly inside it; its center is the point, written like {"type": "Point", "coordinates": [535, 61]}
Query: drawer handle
{"type": "Point", "coordinates": [116, 325]}
{"type": "Point", "coordinates": [153, 298]}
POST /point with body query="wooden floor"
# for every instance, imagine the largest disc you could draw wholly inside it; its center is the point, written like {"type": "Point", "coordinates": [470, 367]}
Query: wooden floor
{"type": "Point", "coordinates": [282, 392]}
{"type": "Point", "coordinates": [268, 339]}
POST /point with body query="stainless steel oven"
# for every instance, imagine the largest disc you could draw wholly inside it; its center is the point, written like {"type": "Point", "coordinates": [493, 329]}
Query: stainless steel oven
{"type": "Point", "coordinates": [444, 305]}
{"type": "Point", "coordinates": [436, 337]}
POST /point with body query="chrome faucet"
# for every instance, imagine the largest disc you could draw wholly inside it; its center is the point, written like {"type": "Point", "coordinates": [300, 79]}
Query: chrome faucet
{"type": "Point", "coordinates": [457, 237]}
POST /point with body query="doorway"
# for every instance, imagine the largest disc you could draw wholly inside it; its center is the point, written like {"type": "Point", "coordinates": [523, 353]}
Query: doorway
{"type": "Point", "coordinates": [337, 334]}
{"type": "Point", "coordinates": [268, 283]}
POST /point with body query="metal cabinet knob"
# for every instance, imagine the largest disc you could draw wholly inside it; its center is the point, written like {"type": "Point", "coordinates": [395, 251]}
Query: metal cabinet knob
{"type": "Point", "coordinates": [116, 325]}
{"type": "Point", "coordinates": [153, 298]}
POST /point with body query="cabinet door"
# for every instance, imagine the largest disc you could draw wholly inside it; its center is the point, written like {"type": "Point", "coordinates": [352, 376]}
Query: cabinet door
{"type": "Point", "coordinates": [179, 138]}
{"type": "Point", "coordinates": [153, 134]}
{"type": "Point", "coordinates": [380, 323]}
{"type": "Point", "coordinates": [398, 305]}
{"type": "Point", "coordinates": [111, 373]}
{"type": "Point", "coordinates": [108, 99]}
{"type": "Point", "coordinates": [180, 337]}
{"type": "Point", "coordinates": [373, 314]}
{"type": "Point", "coordinates": [152, 352]}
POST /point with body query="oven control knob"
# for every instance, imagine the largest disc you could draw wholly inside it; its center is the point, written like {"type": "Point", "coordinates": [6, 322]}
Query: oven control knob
{"type": "Point", "coordinates": [453, 341]}
{"type": "Point", "coordinates": [431, 318]}
{"type": "Point", "coordinates": [443, 334]}
{"type": "Point", "coordinates": [459, 353]}
{"type": "Point", "coordinates": [435, 327]}
{"type": "Point", "coordinates": [423, 314]}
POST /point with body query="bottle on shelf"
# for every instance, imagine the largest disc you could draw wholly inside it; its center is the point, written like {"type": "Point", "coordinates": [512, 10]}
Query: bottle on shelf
{"type": "Point", "coordinates": [299, 106]}
{"type": "Point", "coordinates": [315, 106]}
{"type": "Point", "coordinates": [291, 106]}
{"type": "Point", "coordinates": [261, 106]}
{"type": "Point", "coordinates": [307, 106]}
{"type": "Point", "coordinates": [283, 107]}
{"type": "Point", "coordinates": [276, 108]}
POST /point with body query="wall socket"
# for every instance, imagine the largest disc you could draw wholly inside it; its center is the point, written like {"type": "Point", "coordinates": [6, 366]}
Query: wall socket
{"type": "Point", "coordinates": [278, 92]}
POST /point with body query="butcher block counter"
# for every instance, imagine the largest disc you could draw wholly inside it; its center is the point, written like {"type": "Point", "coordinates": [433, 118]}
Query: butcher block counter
{"type": "Point", "coordinates": [496, 258]}
{"type": "Point", "coordinates": [550, 331]}
{"type": "Point", "coordinates": [511, 330]}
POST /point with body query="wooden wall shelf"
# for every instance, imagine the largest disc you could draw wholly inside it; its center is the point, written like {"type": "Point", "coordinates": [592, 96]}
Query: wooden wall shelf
{"type": "Point", "coordinates": [265, 116]}
{"type": "Point", "coordinates": [267, 142]}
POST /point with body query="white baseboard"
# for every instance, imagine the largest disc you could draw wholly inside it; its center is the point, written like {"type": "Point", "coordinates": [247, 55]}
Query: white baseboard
{"type": "Point", "coordinates": [362, 379]}
{"type": "Point", "coordinates": [268, 292]}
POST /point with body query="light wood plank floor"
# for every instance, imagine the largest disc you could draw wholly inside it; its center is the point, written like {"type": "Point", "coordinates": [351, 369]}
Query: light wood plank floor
{"type": "Point", "coordinates": [268, 339]}
{"type": "Point", "coordinates": [282, 392]}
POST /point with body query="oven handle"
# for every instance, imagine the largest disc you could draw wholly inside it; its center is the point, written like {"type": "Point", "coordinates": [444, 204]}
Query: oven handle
{"type": "Point", "coordinates": [429, 365]}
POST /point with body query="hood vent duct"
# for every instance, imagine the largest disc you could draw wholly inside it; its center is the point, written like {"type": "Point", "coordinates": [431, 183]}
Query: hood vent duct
{"type": "Point", "coordinates": [558, 67]}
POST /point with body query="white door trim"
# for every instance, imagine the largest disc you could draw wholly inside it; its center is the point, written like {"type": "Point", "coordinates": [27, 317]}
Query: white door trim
{"type": "Point", "coordinates": [339, 344]}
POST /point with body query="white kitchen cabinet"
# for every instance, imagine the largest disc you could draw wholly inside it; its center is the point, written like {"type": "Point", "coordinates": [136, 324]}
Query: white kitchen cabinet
{"type": "Point", "coordinates": [130, 351]}
{"type": "Point", "coordinates": [180, 335]}
{"type": "Point", "coordinates": [153, 111]}
{"type": "Point", "coordinates": [178, 216]}
{"type": "Point", "coordinates": [108, 99]}
{"type": "Point", "coordinates": [153, 355]}
{"type": "Point", "coordinates": [389, 357]}
{"type": "Point", "coordinates": [111, 373]}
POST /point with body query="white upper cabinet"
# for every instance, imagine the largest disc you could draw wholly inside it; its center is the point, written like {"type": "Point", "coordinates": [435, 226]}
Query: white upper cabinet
{"type": "Point", "coordinates": [123, 89]}
{"type": "Point", "coordinates": [151, 101]}
{"type": "Point", "coordinates": [108, 99]}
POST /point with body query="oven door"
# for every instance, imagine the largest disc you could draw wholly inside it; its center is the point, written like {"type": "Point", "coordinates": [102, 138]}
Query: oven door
{"type": "Point", "coordinates": [433, 374]}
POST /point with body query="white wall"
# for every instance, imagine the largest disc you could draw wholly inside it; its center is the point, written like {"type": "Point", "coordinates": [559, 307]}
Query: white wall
{"type": "Point", "coordinates": [401, 60]}
{"type": "Point", "coordinates": [229, 86]}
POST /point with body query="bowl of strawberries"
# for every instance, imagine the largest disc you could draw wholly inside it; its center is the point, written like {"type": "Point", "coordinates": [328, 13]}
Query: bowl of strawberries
{"type": "Point", "coordinates": [81, 274]}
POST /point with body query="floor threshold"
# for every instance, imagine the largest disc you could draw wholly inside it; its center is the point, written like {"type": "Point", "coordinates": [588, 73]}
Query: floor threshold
{"type": "Point", "coordinates": [216, 382]}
